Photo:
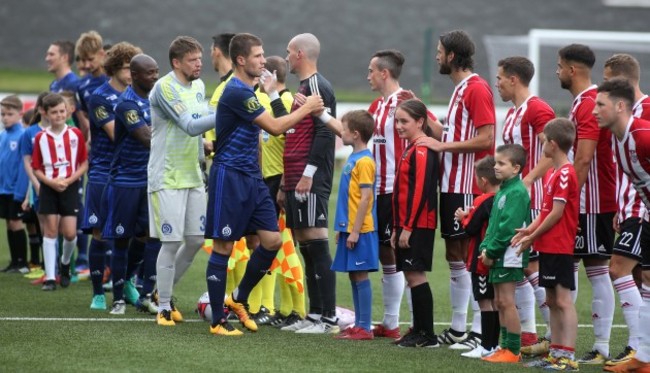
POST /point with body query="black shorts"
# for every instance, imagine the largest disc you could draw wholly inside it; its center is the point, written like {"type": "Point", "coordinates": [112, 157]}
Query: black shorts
{"type": "Point", "coordinates": [628, 243]}
{"type": "Point", "coordinates": [533, 256]}
{"type": "Point", "coordinates": [450, 229]}
{"type": "Point", "coordinates": [595, 238]}
{"type": "Point", "coordinates": [30, 217]}
{"type": "Point", "coordinates": [384, 218]}
{"type": "Point", "coordinates": [481, 287]}
{"type": "Point", "coordinates": [418, 257]}
{"type": "Point", "coordinates": [273, 183]}
{"type": "Point", "coordinates": [10, 209]}
{"type": "Point", "coordinates": [309, 214]}
{"type": "Point", "coordinates": [556, 269]}
{"type": "Point", "coordinates": [645, 245]}
{"type": "Point", "coordinates": [65, 203]}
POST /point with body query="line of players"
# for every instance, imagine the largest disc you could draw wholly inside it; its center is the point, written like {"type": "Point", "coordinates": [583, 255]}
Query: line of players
{"type": "Point", "coordinates": [470, 131]}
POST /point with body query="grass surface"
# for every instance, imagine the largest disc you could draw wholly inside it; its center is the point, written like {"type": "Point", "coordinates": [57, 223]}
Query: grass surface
{"type": "Point", "coordinates": [109, 345]}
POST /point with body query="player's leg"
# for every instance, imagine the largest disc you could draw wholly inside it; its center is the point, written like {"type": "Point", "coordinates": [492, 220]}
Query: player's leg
{"type": "Point", "coordinates": [460, 283]}
{"type": "Point", "coordinates": [508, 315]}
{"type": "Point", "coordinates": [50, 235]}
{"type": "Point", "coordinates": [216, 278]}
{"type": "Point", "coordinates": [625, 257]}
{"type": "Point", "coordinates": [99, 248]}
{"type": "Point", "coordinates": [68, 228]}
{"type": "Point", "coordinates": [525, 301]}
{"type": "Point", "coordinates": [195, 203]}
{"type": "Point", "coordinates": [599, 241]}
{"type": "Point", "coordinates": [489, 337]}
{"type": "Point", "coordinates": [393, 282]}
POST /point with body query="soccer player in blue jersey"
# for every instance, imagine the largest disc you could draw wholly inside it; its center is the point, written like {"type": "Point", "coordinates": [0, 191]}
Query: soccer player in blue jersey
{"type": "Point", "coordinates": [125, 196]}
{"type": "Point", "coordinates": [102, 123]}
{"type": "Point", "coordinates": [90, 53]}
{"type": "Point", "coordinates": [58, 58]}
{"type": "Point", "coordinates": [238, 200]}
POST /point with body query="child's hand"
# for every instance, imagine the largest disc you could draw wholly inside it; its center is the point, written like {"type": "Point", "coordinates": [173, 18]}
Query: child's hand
{"type": "Point", "coordinates": [460, 214]}
{"type": "Point", "coordinates": [393, 238]}
{"type": "Point", "coordinates": [521, 233]}
{"type": "Point", "coordinates": [353, 238]}
{"type": "Point", "coordinates": [60, 185]}
{"type": "Point", "coordinates": [484, 258]}
{"type": "Point", "coordinates": [525, 243]}
{"type": "Point", "coordinates": [404, 239]}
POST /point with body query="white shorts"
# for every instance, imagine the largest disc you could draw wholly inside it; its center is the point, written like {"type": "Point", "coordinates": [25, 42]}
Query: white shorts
{"type": "Point", "coordinates": [176, 213]}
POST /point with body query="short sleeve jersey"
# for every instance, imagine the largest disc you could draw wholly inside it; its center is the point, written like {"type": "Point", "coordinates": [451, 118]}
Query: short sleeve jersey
{"type": "Point", "coordinates": [129, 165]}
{"type": "Point", "coordinates": [522, 126]}
{"type": "Point", "coordinates": [629, 203]}
{"type": "Point", "coordinates": [174, 158]}
{"type": "Point", "coordinates": [598, 194]}
{"type": "Point", "coordinates": [87, 85]}
{"type": "Point", "coordinates": [59, 155]}
{"type": "Point", "coordinates": [358, 173]}
{"type": "Point", "coordinates": [561, 185]}
{"type": "Point", "coordinates": [633, 156]}
{"type": "Point", "coordinates": [69, 82]}
{"type": "Point", "coordinates": [470, 108]}
{"type": "Point", "coordinates": [237, 136]}
{"type": "Point", "coordinates": [101, 111]}
{"type": "Point", "coordinates": [214, 102]}
{"type": "Point", "coordinates": [415, 197]}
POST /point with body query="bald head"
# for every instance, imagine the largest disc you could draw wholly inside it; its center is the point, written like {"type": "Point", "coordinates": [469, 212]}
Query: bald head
{"type": "Point", "coordinates": [142, 62]}
{"type": "Point", "coordinates": [308, 44]}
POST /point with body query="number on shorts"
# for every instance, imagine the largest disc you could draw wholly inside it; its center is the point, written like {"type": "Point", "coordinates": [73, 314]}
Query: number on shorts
{"type": "Point", "coordinates": [580, 242]}
{"type": "Point", "coordinates": [456, 225]}
{"type": "Point", "coordinates": [625, 239]}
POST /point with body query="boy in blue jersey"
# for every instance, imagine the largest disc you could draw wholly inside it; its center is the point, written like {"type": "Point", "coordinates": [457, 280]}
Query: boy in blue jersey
{"type": "Point", "coordinates": [125, 196]}
{"type": "Point", "coordinates": [91, 55]}
{"type": "Point", "coordinates": [238, 200]}
{"type": "Point", "coordinates": [11, 109]}
{"type": "Point", "coordinates": [102, 122]}
{"type": "Point", "coordinates": [357, 250]}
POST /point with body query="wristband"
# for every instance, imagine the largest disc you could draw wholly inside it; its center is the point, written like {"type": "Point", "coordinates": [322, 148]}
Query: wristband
{"type": "Point", "coordinates": [310, 170]}
{"type": "Point", "coordinates": [274, 96]}
{"type": "Point", "coordinates": [325, 117]}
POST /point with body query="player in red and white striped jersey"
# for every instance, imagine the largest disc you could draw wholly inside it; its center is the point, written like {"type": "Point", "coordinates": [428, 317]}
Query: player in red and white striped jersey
{"type": "Point", "coordinates": [614, 104]}
{"type": "Point", "coordinates": [59, 159]}
{"type": "Point", "coordinates": [627, 222]}
{"type": "Point", "coordinates": [524, 125]}
{"type": "Point", "coordinates": [596, 171]}
{"type": "Point", "coordinates": [383, 76]}
{"type": "Point", "coordinates": [467, 137]}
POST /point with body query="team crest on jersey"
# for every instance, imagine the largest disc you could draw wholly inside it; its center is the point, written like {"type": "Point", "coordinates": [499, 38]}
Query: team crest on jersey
{"type": "Point", "coordinates": [92, 219]}
{"type": "Point", "coordinates": [13, 145]}
{"type": "Point", "coordinates": [502, 202]}
{"type": "Point", "coordinates": [347, 169]}
{"type": "Point", "coordinates": [633, 157]}
{"type": "Point", "coordinates": [199, 97]}
{"type": "Point", "coordinates": [252, 104]}
{"type": "Point", "coordinates": [391, 112]}
{"type": "Point", "coordinates": [73, 143]}
{"type": "Point", "coordinates": [132, 117]}
{"type": "Point", "coordinates": [265, 136]}
{"type": "Point", "coordinates": [166, 229]}
{"type": "Point", "coordinates": [101, 113]}
{"type": "Point", "coordinates": [119, 229]}
{"type": "Point", "coordinates": [226, 231]}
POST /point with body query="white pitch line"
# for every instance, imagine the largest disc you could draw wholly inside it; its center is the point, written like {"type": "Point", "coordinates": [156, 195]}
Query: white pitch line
{"type": "Point", "coordinates": [97, 319]}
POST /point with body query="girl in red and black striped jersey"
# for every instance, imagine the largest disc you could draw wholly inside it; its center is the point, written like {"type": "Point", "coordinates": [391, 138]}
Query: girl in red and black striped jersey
{"type": "Point", "coordinates": [414, 215]}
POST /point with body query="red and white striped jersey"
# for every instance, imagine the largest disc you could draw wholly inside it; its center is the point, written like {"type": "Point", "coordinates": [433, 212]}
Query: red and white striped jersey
{"type": "Point", "coordinates": [633, 156]}
{"type": "Point", "coordinates": [598, 195]}
{"type": "Point", "coordinates": [523, 126]}
{"type": "Point", "coordinates": [471, 107]}
{"type": "Point", "coordinates": [387, 147]}
{"type": "Point", "coordinates": [628, 200]}
{"type": "Point", "coordinates": [59, 156]}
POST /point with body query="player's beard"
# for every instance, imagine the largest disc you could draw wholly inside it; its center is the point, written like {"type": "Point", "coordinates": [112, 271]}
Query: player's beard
{"type": "Point", "coordinates": [565, 84]}
{"type": "Point", "coordinates": [444, 69]}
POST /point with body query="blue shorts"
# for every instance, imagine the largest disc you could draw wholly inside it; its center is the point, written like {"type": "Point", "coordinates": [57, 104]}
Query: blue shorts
{"type": "Point", "coordinates": [237, 205]}
{"type": "Point", "coordinates": [126, 212]}
{"type": "Point", "coordinates": [92, 217]}
{"type": "Point", "coordinates": [364, 256]}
